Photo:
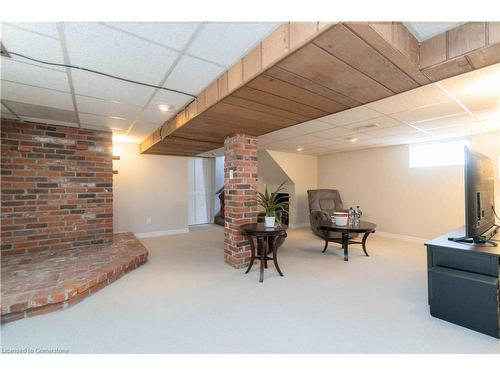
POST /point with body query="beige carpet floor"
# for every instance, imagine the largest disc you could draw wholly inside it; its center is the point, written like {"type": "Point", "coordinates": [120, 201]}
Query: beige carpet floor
{"type": "Point", "coordinates": [185, 299]}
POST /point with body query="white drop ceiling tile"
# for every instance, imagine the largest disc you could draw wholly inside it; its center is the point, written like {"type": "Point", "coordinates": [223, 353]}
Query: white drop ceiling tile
{"type": "Point", "coordinates": [446, 121]}
{"type": "Point", "coordinates": [170, 34]}
{"type": "Point", "coordinates": [334, 133]}
{"type": "Point", "coordinates": [4, 109]}
{"type": "Point", "coordinates": [88, 84]}
{"type": "Point", "coordinates": [488, 114]}
{"type": "Point", "coordinates": [404, 139]}
{"type": "Point", "coordinates": [419, 97]}
{"type": "Point", "coordinates": [350, 116]}
{"type": "Point", "coordinates": [395, 130]}
{"type": "Point", "coordinates": [429, 112]}
{"type": "Point", "coordinates": [32, 45]}
{"type": "Point", "coordinates": [106, 108]}
{"type": "Point", "coordinates": [49, 122]}
{"type": "Point", "coordinates": [192, 75]}
{"type": "Point", "coordinates": [309, 127]}
{"type": "Point", "coordinates": [34, 95]}
{"type": "Point", "coordinates": [481, 81]}
{"type": "Point", "coordinates": [479, 102]}
{"type": "Point", "coordinates": [379, 122]}
{"type": "Point", "coordinates": [225, 42]}
{"type": "Point", "coordinates": [459, 131]}
{"type": "Point", "coordinates": [104, 121]}
{"type": "Point", "coordinates": [143, 127]}
{"type": "Point", "coordinates": [277, 135]}
{"type": "Point", "coordinates": [44, 28]}
{"type": "Point", "coordinates": [155, 116]}
{"type": "Point", "coordinates": [492, 125]}
{"type": "Point", "coordinates": [101, 48]}
{"type": "Point", "coordinates": [34, 75]}
{"type": "Point", "coordinates": [179, 101]}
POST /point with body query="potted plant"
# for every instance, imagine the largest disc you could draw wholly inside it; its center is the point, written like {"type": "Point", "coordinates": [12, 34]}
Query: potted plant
{"type": "Point", "coordinates": [271, 204]}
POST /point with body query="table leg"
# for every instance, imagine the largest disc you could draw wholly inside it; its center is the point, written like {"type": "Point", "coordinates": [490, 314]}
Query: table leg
{"type": "Point", "coordinates": [345, 243]}
{"type": "Point", "coordinates": [363, 242]}
{"type": "Point", "coordinates": [252, 248]}
{"type": "Point", "coordinates": [326, 241]}
{"type": "Point", "coordinates": [275, 257]}
{"type": "Point", "coordinates": [263, 255]}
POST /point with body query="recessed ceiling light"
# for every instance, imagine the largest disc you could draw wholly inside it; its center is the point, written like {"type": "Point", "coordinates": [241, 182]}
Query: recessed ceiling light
{"type": "Point", "coordinates": [300, 149]}
{"type": "Point", "coordinates": [165, 107]}
{"type": "Point", "coordinates": [352, 139]}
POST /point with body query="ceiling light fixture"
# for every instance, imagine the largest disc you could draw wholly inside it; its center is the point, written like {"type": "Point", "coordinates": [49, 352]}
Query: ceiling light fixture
{"type": "Point", "coordinates": [165, 107]}
{"type": "Point", "coordinates": [300, 149]}
{"type": "Point", "coordinates": [352, 139]}
{"type": "Point", "coordinates": [367, 127]}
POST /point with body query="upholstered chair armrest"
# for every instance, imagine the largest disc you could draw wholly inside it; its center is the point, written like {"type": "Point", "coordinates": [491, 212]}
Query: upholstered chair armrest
{"type": "Point", "coordinates": [315, 217]}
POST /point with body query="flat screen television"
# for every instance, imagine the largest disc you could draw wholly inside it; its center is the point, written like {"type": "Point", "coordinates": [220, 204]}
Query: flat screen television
{"type": "Point", "coordinates": [479, 195]}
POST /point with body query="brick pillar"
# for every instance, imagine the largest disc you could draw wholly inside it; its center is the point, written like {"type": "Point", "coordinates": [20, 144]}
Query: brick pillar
{"type": "Point", "coordinates": [240, 192]}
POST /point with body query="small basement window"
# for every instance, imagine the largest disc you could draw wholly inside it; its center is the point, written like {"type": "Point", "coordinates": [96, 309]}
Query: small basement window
{"type": "Point", "coordinates": [437, 154]}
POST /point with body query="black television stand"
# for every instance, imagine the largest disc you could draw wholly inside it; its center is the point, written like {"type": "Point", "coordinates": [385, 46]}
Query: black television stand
{"type": "Point", "coordinates": [464, 281]}
{"type": "Point", "coordinates": [477, 239]}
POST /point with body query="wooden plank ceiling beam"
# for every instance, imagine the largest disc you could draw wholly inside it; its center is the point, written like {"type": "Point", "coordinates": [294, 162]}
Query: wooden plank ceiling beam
{"type": "Point", "coordinates": [307, 70]}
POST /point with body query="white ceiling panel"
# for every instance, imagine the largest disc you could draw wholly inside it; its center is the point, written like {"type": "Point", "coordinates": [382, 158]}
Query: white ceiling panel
{"type": "Point", "coordinates": [106, 108]}
{"type": "Point", "coordinates": [104, 121]}
{"type": "Point", "coordinates": [170, 34]}
{"type": "Point", "coordinates": [351, 116]}
{"type": "Point", "coordinates": [374, 123]}
{"type": "Point", "coordinates": [32, 45]}
{"type": "Point", "coordinates": [395, 130]}
{"type": "Point", "coordinates": [155, 116]}
{"type": "Point", "coordinates": [334, 133]}
{"type": "Point", "coordinates": [105, 88]}
{"type": "Point", "coordinates": [34, 75]}
{"type": "Point", "coordinates": [493, 125]}
{"type": "Point", "coordinates": [101, 48]}
{"type": "Point", "coordinates": [419, 97]}
{"type": "Point", "coordinates": [4, 109]}
{"type": "Point", "coordinates": [192, 75]}
{"type": "Point", "coordinates": [224, 43]}
{"type": "Point", "coordinates": [426, 30]}
{"type": "Point", "coordinates": [143, 128]}
{"type": "Point", "coordinates": [34, 95]}
{"type": "Point", "coordinates": [45, 28]}
{"type": "Point", "coordinates": [429, 112]}
{"type": "Point", "coordinates": [446, 121]}
{"type": "Point", "coordinates": [459, 131]}
{"type": "Point", "coordinates": [310, 127]}
{"type": "Point", "coordinates": [480, 81]}
{"type": "Point", "coordinates": [170, 98]}
{"type": "Point", "coordinates": [481, 102]}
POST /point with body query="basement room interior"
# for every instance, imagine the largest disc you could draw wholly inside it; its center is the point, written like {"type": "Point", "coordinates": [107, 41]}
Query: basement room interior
{"type": "Point", "coordinates": [230, 187]}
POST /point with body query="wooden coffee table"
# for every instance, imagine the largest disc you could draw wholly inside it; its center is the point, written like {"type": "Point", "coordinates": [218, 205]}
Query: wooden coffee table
{"type": "Point", "coordinates": [362, 227]}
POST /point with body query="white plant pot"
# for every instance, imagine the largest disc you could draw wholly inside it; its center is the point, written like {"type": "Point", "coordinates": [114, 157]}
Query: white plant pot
{"type": "Point", "coordinates": [270, 221]}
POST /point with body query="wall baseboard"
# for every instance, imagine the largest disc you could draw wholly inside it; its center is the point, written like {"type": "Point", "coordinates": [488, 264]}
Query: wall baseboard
{"type": "Point", "coordinates": [162, 233]}
{"type": "Point", "coordinates": [401, 237]}
{"type": "Point", "coordinates": [301, 225]}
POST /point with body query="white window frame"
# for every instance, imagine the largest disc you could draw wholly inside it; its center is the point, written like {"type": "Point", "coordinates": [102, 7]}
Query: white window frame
{"type": "Point", "coordinates": [441, 153]}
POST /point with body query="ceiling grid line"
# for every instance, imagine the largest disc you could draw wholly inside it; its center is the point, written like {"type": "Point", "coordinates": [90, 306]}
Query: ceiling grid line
{"type": "Point", "coordinates": [60, 30]}
{"type": "Point", "coordinates": [165, 77]}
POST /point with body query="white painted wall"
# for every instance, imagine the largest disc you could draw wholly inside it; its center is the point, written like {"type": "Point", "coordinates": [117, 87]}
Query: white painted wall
{"type": "Point", "coordinates": [301, 174]}
{"type": "Point", "coordinates": [418, 202]}
{"type": "Point", "coordinates": [149, 186]}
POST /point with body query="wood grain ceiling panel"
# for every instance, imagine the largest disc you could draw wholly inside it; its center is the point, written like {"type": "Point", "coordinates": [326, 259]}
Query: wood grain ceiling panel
{"type": "Point", "coordinates": [262, 97]}
{"type": "Point", "coordinates": [327, 69]}
{"type": "Point", "coordinates": [319, 66]}
{"type": "Point", "coordinates": [312, 86]}
{"type": "Point", "coordinates": [297, 94]}
{"type": "Point", "coordinates": [354, 51]}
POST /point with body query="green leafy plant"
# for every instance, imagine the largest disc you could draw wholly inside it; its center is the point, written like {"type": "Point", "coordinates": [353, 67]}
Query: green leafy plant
{"type": "Point", "coordinates": [271, 203]}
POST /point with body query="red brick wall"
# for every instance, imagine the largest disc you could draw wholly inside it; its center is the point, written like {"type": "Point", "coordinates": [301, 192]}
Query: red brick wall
{"type": "Point", "coordinates": [57, 187]}
{"type": "Point", "coordinates": [240, 193]}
